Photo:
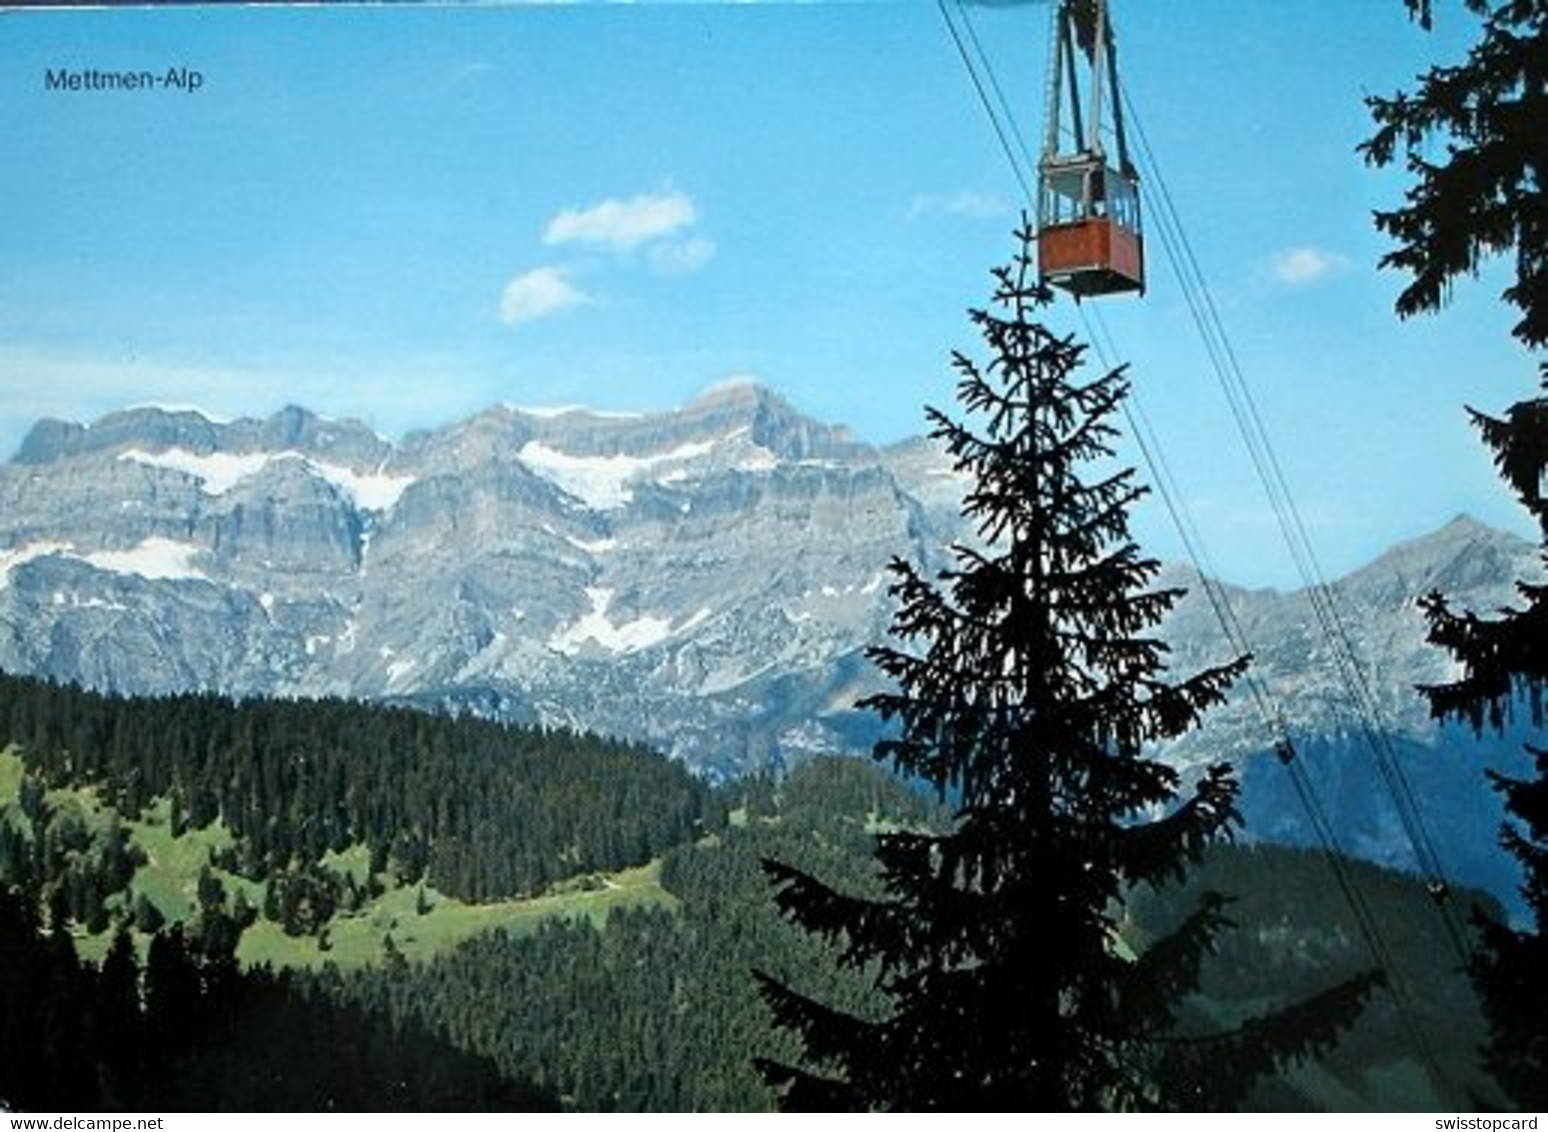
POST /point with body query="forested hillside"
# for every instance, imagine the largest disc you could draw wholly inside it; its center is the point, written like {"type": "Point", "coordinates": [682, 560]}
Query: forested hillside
{"type": "Point", "coordinates": [658, 1010]}
{"type": "Point", "coordinates": [123, 822]}
{"type": "Point", "coordinates": [482, 810]}
{"type": "Point", "coordinates": [185, 1030]}
{"type": "Point", "coordinates": [144, 938]}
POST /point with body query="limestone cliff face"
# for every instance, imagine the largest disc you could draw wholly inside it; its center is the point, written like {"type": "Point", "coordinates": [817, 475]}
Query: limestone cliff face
{"type": "Point", "coordinates": [705, 579]}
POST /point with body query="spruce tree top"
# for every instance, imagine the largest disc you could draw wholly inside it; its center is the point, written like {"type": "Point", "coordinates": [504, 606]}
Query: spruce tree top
{"type": "Point", "coordinates": [1043, 633]}
{"type": "Point", "coordinates": [1028, 687]}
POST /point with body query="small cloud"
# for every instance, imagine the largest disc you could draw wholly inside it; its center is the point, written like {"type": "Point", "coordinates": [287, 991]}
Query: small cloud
{"type": "Point", "coordinates": [971, 205]}
{"type": "Point", "coordinates": [539, 293]}
{"type": "Point", "coordinates": [622, 225]}
{"type": "Point", "coordinates": [1296, 267]}
{"type": "Point", "coordinates": [681, 257]}
{"type": "Point", "coordinates": [658, 226]}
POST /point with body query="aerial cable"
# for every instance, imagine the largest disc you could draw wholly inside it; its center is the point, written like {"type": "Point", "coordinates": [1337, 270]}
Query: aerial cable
{"type": "Point", "coordinates": [1249, 422]}
{"type": "Point", "coordinates": [1221, 354]}
{"type": "Point", "coordinates": [1150, 449]}
{"type": "Point", "coordinates": [1365, 919]}
{"type": "Point", "coordinates": [983, 97]}
{"type": "Point", "coordinates": [1366, 922]}
{"type": "Point", "coordinates": [1320, 595]}
{"type": "Point", "coordinates": [1237, 638]}
{"type": "Point", "coordinates": [999, 92]}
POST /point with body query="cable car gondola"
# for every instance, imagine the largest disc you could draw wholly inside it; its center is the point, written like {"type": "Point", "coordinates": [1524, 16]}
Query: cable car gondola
{"type": "Point", "coordinates": [1089, 237]}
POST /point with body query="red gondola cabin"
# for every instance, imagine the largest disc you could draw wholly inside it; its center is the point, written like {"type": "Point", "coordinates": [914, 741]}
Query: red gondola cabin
{"type": "Point", "coordinates": [1089, 241]}
{"type": "Point", "coordinates": [1089, 238]}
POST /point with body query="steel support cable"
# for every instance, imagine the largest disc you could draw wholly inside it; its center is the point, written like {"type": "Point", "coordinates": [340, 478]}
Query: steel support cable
{"type": "Point", "coordinates": [1361, 704]}
{"type": "Point", "coordinates": [999, 91]}
{"type": "Point", "coordinates": [1139, 427]}
{"type": "Point", "coordinates": [983, 97]}
{"type": "Point", "coordinates": [1236, 636]}
{"type": "Point", "coordinates": [1154, 457]}
{"type": "Point", "coordinates": [1365, 921]}
{"type": "Point", "coordinates": [1331, 622]}
{"type": "Point", "coordinates": [1255, 435]}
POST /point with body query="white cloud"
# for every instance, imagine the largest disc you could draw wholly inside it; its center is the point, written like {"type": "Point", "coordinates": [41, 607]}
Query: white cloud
{"type": "Point", "coordinates": [537, 294]}
{"type": "Point", "coordinates": [681, 257]}
{"type": "Point", "coordinates": [622, 225]}
{"type": "Point", "coordinates": [968, 204]}
{"type": "Point", "coordinates": [658, 225]}
{"type": "Point", "coordinates": [1296, 267]}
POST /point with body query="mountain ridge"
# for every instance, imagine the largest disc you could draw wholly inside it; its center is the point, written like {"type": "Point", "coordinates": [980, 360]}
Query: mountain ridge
{"type": "Point", "coordinates": [705, 579]}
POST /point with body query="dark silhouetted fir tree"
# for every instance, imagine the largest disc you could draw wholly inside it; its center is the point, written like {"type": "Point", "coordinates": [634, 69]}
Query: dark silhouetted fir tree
{"type": "Point", "coordinates": [1029, 689]}
{"type": "Point", "coordinates": [1504, 670]}
{"type": "Point", "coordinates": [1479, 194]}
{"type": "Point", "coordinates": [1481, 197]}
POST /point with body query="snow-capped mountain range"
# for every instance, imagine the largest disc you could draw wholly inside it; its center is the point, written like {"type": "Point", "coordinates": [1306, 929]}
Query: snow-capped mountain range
{"type": "Point", "coordinates": [705, 580]}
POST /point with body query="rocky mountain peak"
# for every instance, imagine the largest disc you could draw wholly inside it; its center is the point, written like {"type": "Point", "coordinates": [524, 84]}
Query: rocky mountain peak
{"type": "Point", "coordinates": [160, 430]}
{"type": "Point", "coordinates": [50, 440]}
{"type": "Point", "coordinates": [1463, 558]}
{"type": "Point", "coordinates": [300, 430]}
{"type": "Point", "coordinates": [776, 425]}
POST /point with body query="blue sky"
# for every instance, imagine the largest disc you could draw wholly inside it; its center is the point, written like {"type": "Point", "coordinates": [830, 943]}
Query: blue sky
{"type": "Point", "coordinates": [407, 213]}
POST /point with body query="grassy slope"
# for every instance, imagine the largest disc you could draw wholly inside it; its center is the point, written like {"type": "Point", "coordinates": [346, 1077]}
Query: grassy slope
{"type": "Point", "coordinates": [169, 879]}
{"type": "Point", "coordinates": [360, 938]}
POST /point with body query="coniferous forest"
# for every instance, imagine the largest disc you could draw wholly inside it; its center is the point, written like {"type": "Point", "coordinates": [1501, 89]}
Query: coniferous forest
{"type": "Point", "coordinates": [651, 1006]}
{"type": "Point", "coordinates": [480, 809]}
{"type": "Point", "coordinates": [185, 1030]}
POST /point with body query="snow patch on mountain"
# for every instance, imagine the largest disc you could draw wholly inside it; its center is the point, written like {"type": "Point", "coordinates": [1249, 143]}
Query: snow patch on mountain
{"type": "Point", "coordinates": [600, 482]}
{"type": "Point", "coordinates": [18, 556]}
{"type": "Point", "coordinates": [603, 482]}
{"type": "Point", "coordinates": [398, 671]}
{"type": "Point", "coordinates": [219, 472]}
{"type": "Point", "coordinates": [488, 658]}
{"type": "Point", "coordinates": [694, 620]}
{"type": "Point", "coordinates": [60, 599]}
{"type": "Point", "coordinates": [370, 491]}
{"type": "Point", "coordinates": [596, 629]}
{"type": "Point", "coordinates": [593, 546]}
{"type": "Point", "coordinates": [155, 559]}
{"type": "Point", "coordinates": [216, 472]}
